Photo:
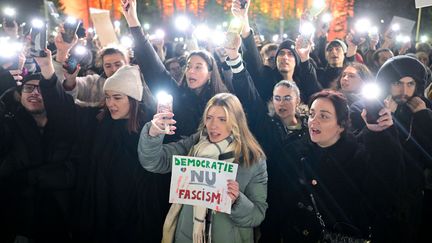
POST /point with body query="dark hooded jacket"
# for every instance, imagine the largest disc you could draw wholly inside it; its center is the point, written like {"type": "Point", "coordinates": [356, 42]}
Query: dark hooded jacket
{"type": "Point", "coordinates": [414, 132]}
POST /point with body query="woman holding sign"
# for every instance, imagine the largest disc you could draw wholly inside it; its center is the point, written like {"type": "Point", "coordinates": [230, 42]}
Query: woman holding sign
{"type": "Point", "coordinates": [224, 135]}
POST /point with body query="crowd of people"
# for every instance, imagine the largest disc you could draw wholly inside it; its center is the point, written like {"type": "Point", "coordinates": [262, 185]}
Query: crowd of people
{"type": "Point", "coordinates": [85, 156]}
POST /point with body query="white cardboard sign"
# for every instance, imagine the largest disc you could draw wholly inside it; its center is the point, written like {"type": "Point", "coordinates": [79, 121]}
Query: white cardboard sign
{"type": "Point", "coordinates": [103, 26]}
{"type": "Point", "coordinates": [202, 182]}
{"type": "Point", "coordinates": [423, 3]}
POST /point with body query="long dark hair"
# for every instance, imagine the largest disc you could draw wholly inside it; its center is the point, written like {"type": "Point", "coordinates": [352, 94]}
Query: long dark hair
{"type": "Point", "coordinates": [215, 84]}
{"type": "Point", "coordinates": [136, 115]}
{"type": "Point", "coordinates": [137, 110]}
{"type": "Point", "coordinates": [362, 70]}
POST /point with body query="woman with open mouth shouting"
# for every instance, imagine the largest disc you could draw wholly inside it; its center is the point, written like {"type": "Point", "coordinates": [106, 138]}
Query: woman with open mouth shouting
{"type": "Point", "coordinates": [345, 187]}
{"type": "Point", "coordinates": [201, 79]}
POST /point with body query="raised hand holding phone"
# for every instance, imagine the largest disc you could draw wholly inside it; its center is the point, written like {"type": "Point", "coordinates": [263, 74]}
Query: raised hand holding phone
{"type": "Point", "coordinates": [38, 38]}
{"type": "Point", "coordinates": [165, 106]}
{"type": "Point", "coordinates": [160, 122]}
{"type": "Point", "coordinates": [130, 12]}
{"type": "Point", "coordinates": [70, 27]}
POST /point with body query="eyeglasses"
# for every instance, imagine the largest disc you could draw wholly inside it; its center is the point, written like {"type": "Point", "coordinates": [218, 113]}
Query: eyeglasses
{"type": "Point", "coordinates": [280, 99]}
{"type": "Point", "coordinates": [29, 88]}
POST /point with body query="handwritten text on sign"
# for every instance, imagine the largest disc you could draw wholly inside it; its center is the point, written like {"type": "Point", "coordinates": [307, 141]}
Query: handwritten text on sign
{"type": "Point", "coordinates": [202, 182]}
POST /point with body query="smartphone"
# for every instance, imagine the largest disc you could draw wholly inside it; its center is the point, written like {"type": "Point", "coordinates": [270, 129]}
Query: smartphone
{"type": "Point", "coordinates": [235, 26]}
{"type": "Point", "coordinates": [357, 37]}
{"type": "Point", "coordinates": [165, 104]}
{"type": "Point", "coordinates": [38, 42]}
{"type": "Point", "coordinates": [234, 29]}
{"type": "Point", "coordinates": [317, 9]}
{"type": "Point", "coordinates": [15, 63]}
{"type": "Point", "coordinates": [9, 21]}
{"type": "Point", "coordinates": [307, 30]}
{"type": "Point", "coordinates": [126, 8]}
{"type": "Point", "coordinates": [373, 107]}
{"type": "Point", "coordinates": [71, 64]}
{"type": "Point", "coordinates": [70, 29]}
{"type": "Point", "coordinates": [243, 4]}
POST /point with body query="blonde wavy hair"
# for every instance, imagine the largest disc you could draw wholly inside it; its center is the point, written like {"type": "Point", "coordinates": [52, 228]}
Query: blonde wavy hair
{"type": "Point", "coordinates": [245, 144]}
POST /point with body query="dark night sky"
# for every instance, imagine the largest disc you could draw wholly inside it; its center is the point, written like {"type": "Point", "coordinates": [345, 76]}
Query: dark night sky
{"type": "Point", "coordinates": [25, 7]}
{"type": "Point", "coordinates": [379, 9]}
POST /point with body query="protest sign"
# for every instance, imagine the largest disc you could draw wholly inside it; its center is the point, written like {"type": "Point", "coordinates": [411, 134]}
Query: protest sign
{"type": "Point", "coordinates": [201, 182]}
{"type": "Point", "coordinates": [103, 26]}
{"type": "Point", "coordinates": [423, 3]}
{"type": "Point", "coordinates": [406, 25]}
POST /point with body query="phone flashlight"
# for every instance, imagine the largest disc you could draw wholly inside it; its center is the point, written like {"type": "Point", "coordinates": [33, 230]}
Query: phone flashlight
{"type": "Point", "coordinates": [38, 38]}
{"type": "Point", "coordinates": [372, 95]}
{"type": "Point", "coordinates": [165, 104]}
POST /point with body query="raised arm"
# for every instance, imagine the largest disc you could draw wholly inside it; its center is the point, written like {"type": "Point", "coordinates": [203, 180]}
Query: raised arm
{"type": "Point", "coordinates": [151, 66]}
{"type": "Point", "coordinates": [251, 55]}
{"type": "Point", "coordinates": [244, 88]}
{"type": "Point", "coordinates": [57, 103]}
{"type": "Point", "coordinates": [307, 80]}
{"type": "Point", "coordinates": [60, 109]}
{"type": "Point", "coordinates": [155, 156]}
{"type": "Point", "coordinates": [383, 181]}
{"type": "Point", "coordinates": [63, 49]}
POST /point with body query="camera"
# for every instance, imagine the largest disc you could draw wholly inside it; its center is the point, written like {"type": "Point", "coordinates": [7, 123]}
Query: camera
{"type": "Point", "coordinates": [38, 35]}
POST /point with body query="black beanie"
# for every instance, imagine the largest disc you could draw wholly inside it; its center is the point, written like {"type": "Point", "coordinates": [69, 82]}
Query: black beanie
{"type": "Point", "coordinates": [403, 66]}
{"type": "Point", "coordinates": [33, 76]}
{"type": "Point", "coordinates": [290, 45]}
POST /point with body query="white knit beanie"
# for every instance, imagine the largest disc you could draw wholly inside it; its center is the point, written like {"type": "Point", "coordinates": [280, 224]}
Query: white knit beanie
{"type": "Point", "coordinates": [126, 80]}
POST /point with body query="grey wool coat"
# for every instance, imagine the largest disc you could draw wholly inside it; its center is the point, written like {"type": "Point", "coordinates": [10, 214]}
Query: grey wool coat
{"type": "Point", "coordinates": [247, 212]}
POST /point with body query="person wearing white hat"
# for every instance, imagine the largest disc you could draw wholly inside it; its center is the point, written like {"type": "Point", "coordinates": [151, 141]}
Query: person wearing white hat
{"type": "Point", "coordinates": [122, 88]}
{"type": "Point", "coordinates": [118, 201]}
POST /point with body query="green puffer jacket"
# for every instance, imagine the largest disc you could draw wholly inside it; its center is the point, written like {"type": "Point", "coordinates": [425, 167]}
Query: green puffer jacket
{"type": "Point", "coordinates": [247, 212]}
